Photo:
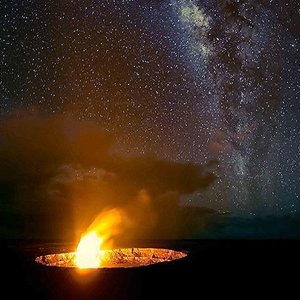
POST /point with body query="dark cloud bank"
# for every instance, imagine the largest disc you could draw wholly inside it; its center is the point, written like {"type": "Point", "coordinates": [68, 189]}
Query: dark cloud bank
{"type": "Point", "coordinates": [57, 175]}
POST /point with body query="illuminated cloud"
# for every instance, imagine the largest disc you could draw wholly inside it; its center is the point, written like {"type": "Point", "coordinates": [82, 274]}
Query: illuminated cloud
{"type": "Point", "coordinates": [63, 172]}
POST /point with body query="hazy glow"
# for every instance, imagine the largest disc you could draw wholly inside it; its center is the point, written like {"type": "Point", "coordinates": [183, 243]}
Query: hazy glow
{"type": "Point", "coordinates": [105, 227]}
{"type": "Point", "coordinates": [88, 254]}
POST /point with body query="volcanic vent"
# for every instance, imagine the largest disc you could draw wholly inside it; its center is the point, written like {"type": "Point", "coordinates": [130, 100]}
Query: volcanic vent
{"type": "Point", "coordinates": [115, 258]}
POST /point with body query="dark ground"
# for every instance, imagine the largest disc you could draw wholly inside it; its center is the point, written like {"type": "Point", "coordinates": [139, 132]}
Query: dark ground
{"type": "Point", "coordinates": [213, 268]}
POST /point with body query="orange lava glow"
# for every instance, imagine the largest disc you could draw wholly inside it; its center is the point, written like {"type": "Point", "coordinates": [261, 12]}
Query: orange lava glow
{"type": "Point", "coordinates": [115, 258]}
{"type": "Point", "coordinates": [91, 255]}
{"type": "Point", "coordinates": [88, 253]}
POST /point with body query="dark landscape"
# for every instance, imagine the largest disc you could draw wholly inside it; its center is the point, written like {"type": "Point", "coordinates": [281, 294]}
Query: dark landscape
{"type": "Point", "coordinates": [212, 268]}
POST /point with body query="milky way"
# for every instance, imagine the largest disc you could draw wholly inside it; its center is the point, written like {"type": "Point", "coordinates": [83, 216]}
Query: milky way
{"type": "Point", "coordinates": [170, 78]}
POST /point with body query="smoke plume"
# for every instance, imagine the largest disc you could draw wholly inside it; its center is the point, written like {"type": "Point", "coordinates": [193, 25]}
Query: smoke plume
{"type": "Point", "coordinates": [58, 174]}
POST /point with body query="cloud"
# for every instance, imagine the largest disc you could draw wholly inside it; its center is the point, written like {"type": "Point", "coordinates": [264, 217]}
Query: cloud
{"type": "Point", "coordinates": [58, 174]}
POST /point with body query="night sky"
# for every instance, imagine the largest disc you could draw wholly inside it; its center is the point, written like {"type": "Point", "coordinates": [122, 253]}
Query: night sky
{"type": "Point", "coordinates": [186, 81]}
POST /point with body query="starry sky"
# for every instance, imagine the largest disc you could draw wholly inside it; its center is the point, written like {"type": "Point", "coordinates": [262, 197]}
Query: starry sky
{"type": "Point", "coordinates": [184, 80]}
